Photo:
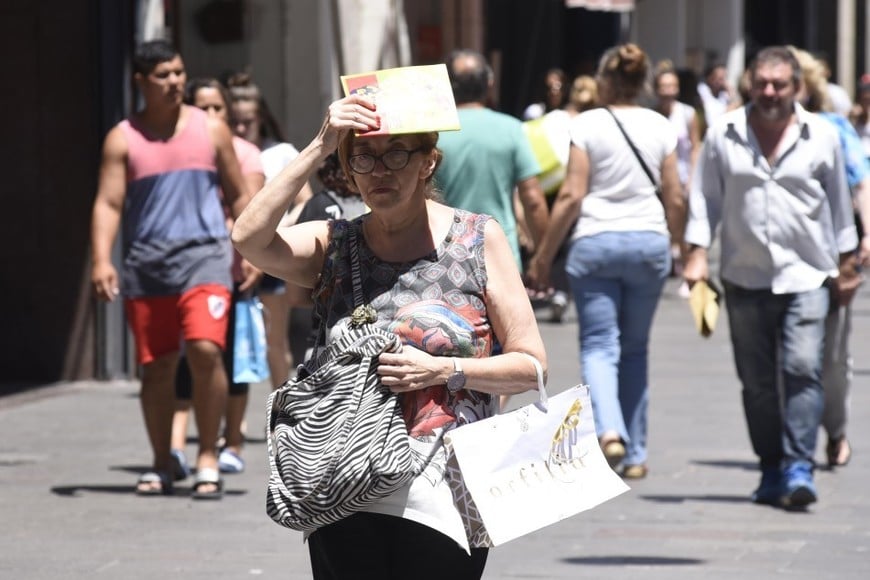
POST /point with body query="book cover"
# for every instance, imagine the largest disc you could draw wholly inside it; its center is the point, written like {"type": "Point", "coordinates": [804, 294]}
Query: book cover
{"type": "Point", "coordinates": [413, 99]}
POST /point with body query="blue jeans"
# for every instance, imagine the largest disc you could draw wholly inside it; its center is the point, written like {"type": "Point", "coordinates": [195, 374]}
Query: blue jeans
{"type": "Point", "coordinates": [617, 280]}
{"type": "Point", "coordinates": [778, 342]}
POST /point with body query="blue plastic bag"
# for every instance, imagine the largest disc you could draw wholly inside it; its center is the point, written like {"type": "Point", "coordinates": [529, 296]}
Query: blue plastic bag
{"type": "Point", "coordinates": [249, 349]}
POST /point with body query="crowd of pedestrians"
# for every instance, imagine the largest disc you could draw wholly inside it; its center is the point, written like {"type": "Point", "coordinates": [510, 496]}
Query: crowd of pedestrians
{"type": "Point", "coordinates": [792, 245]}
{"type": "Point", "coordinates": [640, 185]}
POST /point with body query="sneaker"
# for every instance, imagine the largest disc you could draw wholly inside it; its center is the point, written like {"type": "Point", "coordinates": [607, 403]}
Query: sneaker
{"type": "Point", "coordinates": [798, 487]}
{"type": "Point", "coordinates": [769, 491]}
{"type": "Point", "coordinates": [230, 462]}
{"type": "Point", "coordinates": [180, 467]}
{"type": "Point", "coordinates": [558, 306]}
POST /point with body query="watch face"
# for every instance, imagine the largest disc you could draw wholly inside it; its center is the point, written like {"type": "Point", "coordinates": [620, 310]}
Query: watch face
{"type": "Point", "coordinates": [456, 382]}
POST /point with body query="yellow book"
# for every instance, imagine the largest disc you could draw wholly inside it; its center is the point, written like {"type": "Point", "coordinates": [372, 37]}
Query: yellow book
{"type": "Point", "coordinates": [411, 99]}
{"type": "Point", "coordinates": [704, 304]}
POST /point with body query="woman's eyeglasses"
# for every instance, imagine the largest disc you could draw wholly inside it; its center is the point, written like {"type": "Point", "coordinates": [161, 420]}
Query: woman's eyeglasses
{"type": "Point", "coordinates": [394, 160]}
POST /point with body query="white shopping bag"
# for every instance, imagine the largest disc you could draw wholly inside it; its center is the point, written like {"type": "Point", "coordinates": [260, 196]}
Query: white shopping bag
{"type": "Point", "coordinates": [518, 472]}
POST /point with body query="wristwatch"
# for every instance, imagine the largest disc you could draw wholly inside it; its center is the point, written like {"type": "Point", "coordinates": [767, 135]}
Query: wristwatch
{"type": "Point", "coordinates": [456, 382]}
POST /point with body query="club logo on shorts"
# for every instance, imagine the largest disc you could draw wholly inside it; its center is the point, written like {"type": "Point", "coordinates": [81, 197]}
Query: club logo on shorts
{"type": "Point", "coordinates": [217, 306]}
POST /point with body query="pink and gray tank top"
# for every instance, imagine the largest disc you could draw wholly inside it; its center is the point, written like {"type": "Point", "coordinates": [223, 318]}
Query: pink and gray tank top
{"type": "Point", "coordinates": [174, 234]}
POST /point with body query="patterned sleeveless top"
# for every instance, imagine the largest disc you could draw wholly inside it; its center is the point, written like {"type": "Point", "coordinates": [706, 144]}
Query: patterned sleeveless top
{"type": "Point", "coordinates": [435, 304]}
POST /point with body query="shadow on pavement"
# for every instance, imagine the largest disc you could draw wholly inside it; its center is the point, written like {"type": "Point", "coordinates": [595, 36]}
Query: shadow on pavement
{"type": "Point", "coordinates": [76, 490]}
{"type": "Point", "coordinates": [677, 499]}
{"type": "Point", "coordinates": [634, 561]}
{"type": "Point", "coordinates": [729, 463]}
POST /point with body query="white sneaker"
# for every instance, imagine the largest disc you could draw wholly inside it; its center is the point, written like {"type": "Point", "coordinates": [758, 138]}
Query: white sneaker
{"type": "Point", "coordinates": [230, 462]}
{"type": "Point", "coordinates": [683, 291]}
{"type": "Point", "coordinates": [558, 306]}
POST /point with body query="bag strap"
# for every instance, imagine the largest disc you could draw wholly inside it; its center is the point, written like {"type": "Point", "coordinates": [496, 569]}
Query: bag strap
{"type": "Point", "coordinates": [320, 341]}
{"type": "Point", "coordinates": [354, 266]}
{"type": "Point", "coordinates": [634, 150]}
{"type": "Point", "coordinates": [539, 371]}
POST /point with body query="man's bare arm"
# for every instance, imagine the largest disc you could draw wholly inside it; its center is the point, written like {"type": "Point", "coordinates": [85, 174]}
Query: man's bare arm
{"type": "Point", "coordinates": [106, 214]}
{"type": "Point", "coordinates": [535, 207]}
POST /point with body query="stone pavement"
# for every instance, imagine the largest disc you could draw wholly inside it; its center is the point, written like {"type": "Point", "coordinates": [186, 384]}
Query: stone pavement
{"type": "Point", "coordinates": [70, 453]}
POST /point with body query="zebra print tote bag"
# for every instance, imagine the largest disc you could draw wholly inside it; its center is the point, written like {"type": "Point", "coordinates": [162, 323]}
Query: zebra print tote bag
{"type": "Point", "coordinates": [337, 441]}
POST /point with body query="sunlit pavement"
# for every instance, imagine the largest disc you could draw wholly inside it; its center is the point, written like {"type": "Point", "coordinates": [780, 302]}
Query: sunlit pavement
{"type": "Point", "coordinates": [70, 455]}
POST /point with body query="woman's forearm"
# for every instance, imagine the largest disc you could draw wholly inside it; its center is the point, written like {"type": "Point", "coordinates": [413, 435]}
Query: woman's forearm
{"type": "Point", "coordinates": [256, 227]}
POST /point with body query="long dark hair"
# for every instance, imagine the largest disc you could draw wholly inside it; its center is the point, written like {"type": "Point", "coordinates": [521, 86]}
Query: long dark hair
{"type": "Point", "coordinates": [194, 85]}
{"type": "Point", "coordinates": [242, 88]}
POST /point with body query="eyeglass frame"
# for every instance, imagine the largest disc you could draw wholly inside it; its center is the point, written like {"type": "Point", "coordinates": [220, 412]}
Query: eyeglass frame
{"type": "Point", "coordinates": [376, 158]}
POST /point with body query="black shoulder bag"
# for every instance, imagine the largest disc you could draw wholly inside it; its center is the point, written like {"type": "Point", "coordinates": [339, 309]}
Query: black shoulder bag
{"type": "Point", "coordinates": [634, 150]}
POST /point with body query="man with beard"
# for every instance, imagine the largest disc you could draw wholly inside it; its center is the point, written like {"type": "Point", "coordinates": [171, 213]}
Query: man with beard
{"type": "Point", "coordinates": [772, 175]}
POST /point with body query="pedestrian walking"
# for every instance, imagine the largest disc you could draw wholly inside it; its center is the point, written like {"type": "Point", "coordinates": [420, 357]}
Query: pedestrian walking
{"type": "Point", "coordinates": [212, 97]}
{"type": "Point", "coordinates": [445, 374]}
{"type": "Point", "coordinates": [772, 176]}
{"type": "Point", "coordinates": [555, 95]}
{"type": "Point", "coordinates": [666, 85]}
{"type": "Point", "coordinates": [837, 360]}
{"type": "Point", "coordinates": [159, 178]}
{"type": "Point", "coordinates": [489, 157]}
{"type": "Point", "coordinates": [715, 92]}
{"type": "Point", "coordinates": [550, 137]}
{"type": "Point", "coordinates": [254, 122]}
{"type": "Point", "coordinates": [621, 232]}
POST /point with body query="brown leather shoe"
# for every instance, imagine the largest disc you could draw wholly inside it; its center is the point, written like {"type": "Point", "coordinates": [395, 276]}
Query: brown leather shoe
{"type": "Point", "coordinates": [614, 452]}
{"type": "Point", "coordinates": [634, 472]}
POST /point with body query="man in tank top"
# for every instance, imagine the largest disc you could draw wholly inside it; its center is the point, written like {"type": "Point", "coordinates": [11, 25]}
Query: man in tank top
{"type": "Point", "coordinates": [159, 178]}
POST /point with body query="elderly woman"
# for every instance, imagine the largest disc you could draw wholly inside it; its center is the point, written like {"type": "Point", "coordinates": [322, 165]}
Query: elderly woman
{"type": "Point", "coordinates": [442, 279]}
{"type": "Point", "coordinates": [620, 250]}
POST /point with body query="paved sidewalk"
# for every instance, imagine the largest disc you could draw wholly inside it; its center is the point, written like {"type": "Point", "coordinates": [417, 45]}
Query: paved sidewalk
{"type": "Point", "coordinates": [70, 454]}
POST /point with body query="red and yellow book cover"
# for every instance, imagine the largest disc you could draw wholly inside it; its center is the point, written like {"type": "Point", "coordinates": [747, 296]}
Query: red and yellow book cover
{"type": "Point", "coordinates": [412, 99]}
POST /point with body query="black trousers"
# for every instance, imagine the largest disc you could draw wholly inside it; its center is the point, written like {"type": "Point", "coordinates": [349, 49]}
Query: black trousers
{"type": "Point", "coordinates": [367, 545]}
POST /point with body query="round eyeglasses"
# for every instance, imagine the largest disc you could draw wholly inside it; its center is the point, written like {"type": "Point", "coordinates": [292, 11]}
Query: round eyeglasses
{"type": "Point", "coordinates": [394, 160]}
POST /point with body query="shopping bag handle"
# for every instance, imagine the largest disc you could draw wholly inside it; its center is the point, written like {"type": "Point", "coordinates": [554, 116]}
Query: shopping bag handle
{"type": "Point", "coordinates": [539, 371]}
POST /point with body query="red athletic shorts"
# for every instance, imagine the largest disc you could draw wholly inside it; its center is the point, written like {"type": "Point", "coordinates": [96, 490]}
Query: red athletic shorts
{"type": "Point", "coordinates": [159, 323]}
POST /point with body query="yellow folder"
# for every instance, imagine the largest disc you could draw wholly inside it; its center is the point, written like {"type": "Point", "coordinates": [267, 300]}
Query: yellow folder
{"type": "Point", "coordinates": [410, 99]}
{"type": "Point", "coordinates": [704, 303]}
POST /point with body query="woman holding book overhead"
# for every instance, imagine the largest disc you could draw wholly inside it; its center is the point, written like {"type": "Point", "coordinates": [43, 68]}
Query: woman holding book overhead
{"type": "Point", "coordinates": [445, 282]}
{"type": "Point", "coordinates": [623, 190]}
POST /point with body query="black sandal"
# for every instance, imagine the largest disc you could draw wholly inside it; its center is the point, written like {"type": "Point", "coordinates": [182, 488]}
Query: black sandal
{"type": "Point", "coordinates": [208, 476]}
{"type": "Point", "coordinates": [145, 487]}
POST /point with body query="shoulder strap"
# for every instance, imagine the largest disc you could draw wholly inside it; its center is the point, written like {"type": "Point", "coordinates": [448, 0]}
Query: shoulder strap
{"type": "Point", "coordinates": [354, 266]}
{"type": "Point", "coordinates": [634, 149]}
{"type": "Point", "coordinates": [353, 248]}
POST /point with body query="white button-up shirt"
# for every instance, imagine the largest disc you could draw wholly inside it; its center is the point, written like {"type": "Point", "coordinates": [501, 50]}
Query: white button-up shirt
{"type": "Point", "coordinates": [784, 224]}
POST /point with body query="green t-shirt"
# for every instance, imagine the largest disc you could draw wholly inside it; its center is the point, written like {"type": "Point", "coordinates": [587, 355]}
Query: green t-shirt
{"type": "Point", "coordinates": [482, 164]}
